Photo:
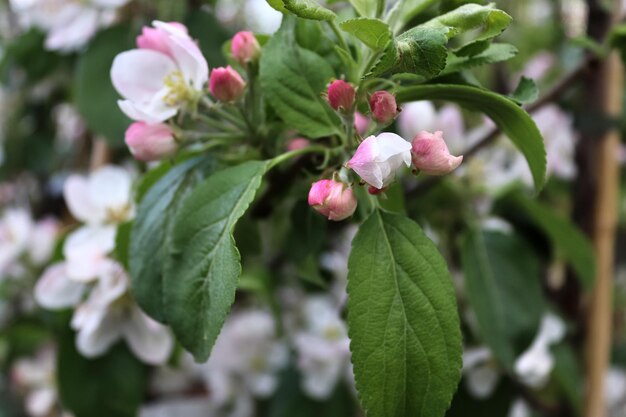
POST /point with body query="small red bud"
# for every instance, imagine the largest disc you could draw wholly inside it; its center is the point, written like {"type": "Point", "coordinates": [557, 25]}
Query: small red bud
{"type": "Point", "coordinates": [384, 107]}
{"type": "Point", "coordinates": [226, 84]}
{"type": "Point", "coordinates": [341, 95]}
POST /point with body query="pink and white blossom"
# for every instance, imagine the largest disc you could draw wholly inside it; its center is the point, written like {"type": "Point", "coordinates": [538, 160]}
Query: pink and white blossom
{"type": "Point", "coordinates": [165, 74]}
{"type": "Point", "coordinates": [378, 158]}
{"type": "Point", "coordinates": [245, 48]}
{"type": "Point", "coordinates": [333, 199]}
{"type": "Point", "coordinates": [226, 85]}
{"type": "Point", "coordinates": [431, 155]}
{"type": "Point", "coordinates": [150, 142]}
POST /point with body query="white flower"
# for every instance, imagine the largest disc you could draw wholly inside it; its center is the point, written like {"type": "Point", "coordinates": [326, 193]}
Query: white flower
{"type": "Point", "coordinates": [36, 376]}
{"type": "Point", "coordinates": [378, 158]}
{"type": "Point", "coordinates": [42, 240]}
{"type": "Point", "coordinates": [245, 361]}
{"type": "Point", "coordinates": [163, 76]}
{"type": "Point", "coordinates": [323, 347]}
{"type": "Point", "coordinates": [615, 390]}
{"type": "Point", "coordinates": [16, 226]}
{"type": "Point", "coordinates": [534, 366]}
{"type": "Point", "coordinates": [105, 196]}
{"type": "Point", "coordinates": [481, 372]}
{"type": "Point", "coordinates": [520, 409]}
{"type": "Point", "coordinates": [69, 24]}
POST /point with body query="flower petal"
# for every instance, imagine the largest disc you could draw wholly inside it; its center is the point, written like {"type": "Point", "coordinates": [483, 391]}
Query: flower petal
{"type": "Point", "coordinates": [77, 198]}
{"type": "Point", "coordinates": [55, 290]}
{"type": "Point", "coordinates": [149, 340]}
{"type": "Point", "coordinates": [85, 251]}
{"type": "Point", "coordinates": [139, 74]}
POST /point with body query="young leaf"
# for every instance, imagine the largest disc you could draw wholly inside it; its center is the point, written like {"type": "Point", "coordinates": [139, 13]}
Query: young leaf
{"type": "Point", "coordinates": [309, 9]}
{"type": "Point", "coordinates": [92, 80]}
{"type": "Point", "coordinates": [293, 79]}
{"type": "Point", "coordinates": [405, 10]}
{"type": "Point", "coordinates": [152, 229]}
{"type": "Point", "coordinates": [203, 266]}
{"type": "Point", "coordinates": [569, 241]}
{"type": "Point", "coordinates": [403, 320]}
{"type": "Point", "coordinates": [111, 385]}
{"type": "Point", "coordinates": [496, 52]}
{"type": "Point", "coordinates": [365, 8]}
{"type": "Point", "coordinates": [526, 91]}
{"type": "Point", "coordinates": [503, 283]}
{"type": "Point", "coordinates": [278, 5]}
{"type": "Point", "coordinates": [372, 32]}
{"type": "Point", "coordinates": [422, 51]}
{"type": "Point", "coordinates": [507, 115]}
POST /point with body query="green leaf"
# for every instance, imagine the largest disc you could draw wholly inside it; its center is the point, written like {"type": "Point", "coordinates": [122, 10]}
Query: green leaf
{"type": "Point", "coordinates": [365, 8]}
{"type": "Point", "coordinates": [122, 243]}
{"type": "Point", "coordinates": [570, 242]}
{"type": "Point", "coordinates": [153, 228]}
{"type": "Point", "coordinates": [422, 51]}
{"type": "Point", "coordinates": [94, 95]}
{"type": "Point", "coordinates": [569, 376]}
{"type": "Point", "coordinates": [203, 266]}
{"type": "Point", "coordinates": [278, 5]}
{"type": "Point", "coordinates": [496, 52]}
{"type": "Point", "coordinates": [309, 9]}
{"type": "Point", "coordinates": [503, 285]}
{"type": "Point", "coordinates": [293, 79]}
{"type": "Point", "coordinates": [372, 32]}
{"type": "Point", "coordinates": [403, 320]}
{"type": "Point", "coordinates": [110, 386]}
{"type": "Point", "coordinates": [405, 10]}
{"type": "Point", "coordinates": [507, 115]}
{"type": "Point", "coordinates": [526, 91]}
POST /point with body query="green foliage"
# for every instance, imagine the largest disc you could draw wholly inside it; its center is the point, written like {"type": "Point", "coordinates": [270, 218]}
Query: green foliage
{"type": "Point", "coordinates": [374, 33]}
{"type": "Point", "coordinates": [309, 9]}
{"type": "Point", "coordinates": [365, 8]}
{"type": "Point", "coordinates": [293, 79]}
{"type": "Point", "coordinates": [405, 10]}
{"type": "Point", "coordinates": [153, 228]}
{"type": "Point", "coordinates": [506, 114]}
{"type": "Point", "coordinates": [569, 241]}
{"type": "Point", "coordinates": [94, 95]}
{"type": "Point", "coordinates": [109, 386]}
{"type": "Point", "coordinates": [503, 285]}
{"type": "Point", "coordinates": [403, 320]}
{"type": "Point", "coordinates": [496, 52]}
{"type": "Point", "coordinates": [27, 53]}
{"type": "Point", "coordinates": [203, 266]}
{"type": "Point", "coordinates": [526, 91]}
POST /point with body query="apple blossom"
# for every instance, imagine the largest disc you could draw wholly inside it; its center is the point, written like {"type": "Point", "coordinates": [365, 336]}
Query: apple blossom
{"type": "Point", "coordinates": [481, 372]}
{"type": "Point", "coordinates": [245, 48]}
{"type": "Point", "coordinates": [150, 142]}
{"type": "Point", "coordinates": [36, 377]}
{"type": "Point", "coordinates": [341, 95]}
{"type": "Point", "coordinates": [226, 84]}
{"type": "Point", "coordinates": [332, 199]}
{"type": "Point", "coordinates": [430, 154]}
{"type": "Point", "coordinates": [378, 158]}
{"type": "Point", "coordinates": [16, 226]}
{"type": "Point", "coordinates": [383, 106]}
{"type": "Point", "coordinates": [534, 366]}
{"type": "Point", "coordinates": [418, 116]}
{"type": "Point", "coordinates": [158, 79]}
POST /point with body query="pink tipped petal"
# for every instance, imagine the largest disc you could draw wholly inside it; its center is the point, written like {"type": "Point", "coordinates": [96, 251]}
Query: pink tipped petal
{"type": "Point", "coordinates": [332, 199]}
{"type": "Point", "coordinates": [378, 158]}
{"type": "Point", "coordinates": [431, 154]}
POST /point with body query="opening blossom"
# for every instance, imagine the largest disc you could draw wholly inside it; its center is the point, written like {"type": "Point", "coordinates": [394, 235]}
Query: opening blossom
{"type": "Point", "coordinates": [378, 158]}
{"type": "Point", "coordinates": [332, 199]}
{"type": "Point", "coordinates": [150, 142]}
{"type": "Point", "coordinates": [167, 72]}
{"type": "Point", "coordinates": [226, 84]}
{"type": "Point", "coordinates": [430, 154]}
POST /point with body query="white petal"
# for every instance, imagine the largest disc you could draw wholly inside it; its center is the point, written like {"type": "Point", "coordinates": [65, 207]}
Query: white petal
{"type": "Point", "coordinates": [85, 251]}
{"type": "Point", "coordinates": [75, 32]}
{"type": "Point", "coordinates": [77, 198]}
{"type": "Point", "coordinates": [416, 117]}
{"type": "Point", "coordinates": [149, 340]}
{"type": "Point", "coordinates": [55, 290]}
{"type": "Point", "coordinates": [534, 366]}
{"type": "Point", "coordinates": [476, 356]}
{"type": "Point", "coordinates": [40, 402]}
{"type": "Point", "coordinates": [139, 74]}
{"type": "Point", "coordinates": [110, 188]}
{"type": "Point", "coordinates": [110, 3]}
{"type": "Point", "coordinates": [99, 330]}
{"type": "Point", "coordinates": [482, 380]}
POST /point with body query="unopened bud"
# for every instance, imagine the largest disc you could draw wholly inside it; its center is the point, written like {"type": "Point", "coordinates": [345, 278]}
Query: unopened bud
{"type": "Point", "coordinates": [430, 154]}
{"type": "Point", "coordinates": [150, 142]}
{"type": "Point", "coordinates": [226, 84]}
{"type": "Point", "coordinates": [245, 48]}
{"type": "Point", "coordinates": [341, 95]}
{"type": "Point", "coordinates": [384, 107]}
{"type": "Point", "coordinates": [333, 199]}
{"type": "Point", "coordinates": [296, 144]}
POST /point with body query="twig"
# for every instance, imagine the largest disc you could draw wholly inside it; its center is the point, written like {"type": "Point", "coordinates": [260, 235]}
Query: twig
{"type": "Point", "coordinates": [100, 154]}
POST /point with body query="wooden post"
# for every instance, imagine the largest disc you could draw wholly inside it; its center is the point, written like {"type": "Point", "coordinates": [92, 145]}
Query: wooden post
{"type": "Point", "coordinates": [599, 326]}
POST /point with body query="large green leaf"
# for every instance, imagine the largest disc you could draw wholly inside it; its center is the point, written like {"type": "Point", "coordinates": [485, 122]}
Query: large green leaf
{"type": "Point", "coordinates": [293, 79]}
{"type": "Point", "coordinates": [152, 229]}
{"type": "Point", "coordinates": [372, 32]}
{"type": "Point", "coordinates": [570, 243]}
{"type": "Point", "coordinates": [403, 320]}
{"type": "Point", "coordinates": [109, 386]}
{"type": "Point", "coordinates": [203, 266]}
{"type": "Point", "coordinates": [496, 52]}
{"type": "Point", "coordinates": [94, 95]}
{"type": "Point", "coordinates": [506, 114]}
{"type": "Point", "coordinates": [309, 9]}
{"type": "Point", "coordinates": [503, 285]}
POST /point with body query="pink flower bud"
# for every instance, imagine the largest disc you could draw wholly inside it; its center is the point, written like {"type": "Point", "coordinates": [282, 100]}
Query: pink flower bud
{"type": "Point", "coordinates": [430, 154]}
{"type": "Point", "coordinates": [332, 199]}
{"type": "Point", "coordinates": [157, 39]}
{"type": "Point", "coordinates": [384, 107]}
{"type": "Point", "coordinates": [361, 123]}
{"type": "Point", "coordinates": [245, 48]}
{"type": "Point", "coordinates": [341, 95]}
{"type": "Point", "coordinates": [150, 142]}
{"type": "Point", "coordinates": [226, 84]}
{"type": "Point", "coordinates": [297, 144]}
